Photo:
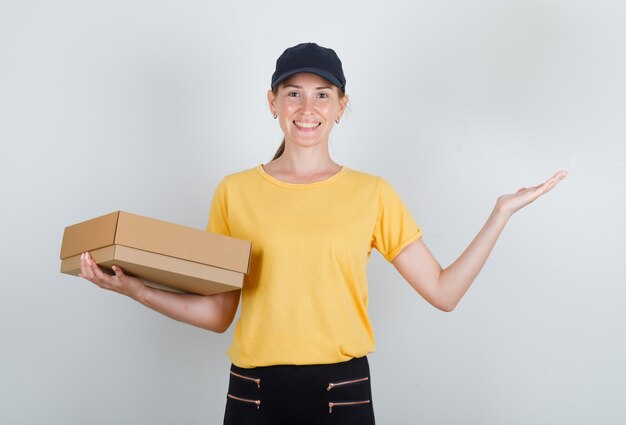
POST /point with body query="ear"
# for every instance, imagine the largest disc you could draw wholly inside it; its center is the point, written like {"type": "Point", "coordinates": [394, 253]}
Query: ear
{"type": "Point", "coordinates": [343, 104]}
{"type": "Point", "coordinates": [271, 100]}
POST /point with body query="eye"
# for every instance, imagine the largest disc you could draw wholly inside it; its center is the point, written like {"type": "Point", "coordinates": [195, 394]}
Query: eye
{"type": "Point", "coordinates": [322, 95]}
{"type": "Point", "coordinates": [292, 94]}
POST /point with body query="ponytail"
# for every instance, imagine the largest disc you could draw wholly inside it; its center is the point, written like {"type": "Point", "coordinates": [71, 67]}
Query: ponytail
{"type": "Point", "coordinates": [280, 150]}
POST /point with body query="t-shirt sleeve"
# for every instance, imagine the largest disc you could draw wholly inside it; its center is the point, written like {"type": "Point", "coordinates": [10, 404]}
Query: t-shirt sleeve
{"type": "Point", "coordinates": [395, 227]}
{"type": "Point", "coordinates": [218, 215]}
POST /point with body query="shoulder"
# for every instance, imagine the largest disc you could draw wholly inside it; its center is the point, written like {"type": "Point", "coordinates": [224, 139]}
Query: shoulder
{"type": "Point", "coordinates": [371, 181]}
{"type": "Point", "coordinates": [240, 177]}
{"type": "Point", "coordinates": [234, 183]}
{"type": "Point", "coordinates": [384, 190]}
{"type": "Point", "coordinates": [363, 178]}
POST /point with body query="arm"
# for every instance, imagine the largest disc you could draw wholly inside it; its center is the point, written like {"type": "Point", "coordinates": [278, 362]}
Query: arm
{"type": "Point", "coordinates": [211, 312]}
{"type": "Point", "coordinates": [444, 288]}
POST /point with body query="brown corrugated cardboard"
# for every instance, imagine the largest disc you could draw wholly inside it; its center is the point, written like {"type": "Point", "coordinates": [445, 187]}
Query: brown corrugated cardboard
{"type": "Point", "coordinates": [163, 254]}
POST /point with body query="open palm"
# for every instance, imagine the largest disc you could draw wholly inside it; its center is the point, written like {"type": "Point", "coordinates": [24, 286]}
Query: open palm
{"type": "Point", "coordinates": [513, 202]}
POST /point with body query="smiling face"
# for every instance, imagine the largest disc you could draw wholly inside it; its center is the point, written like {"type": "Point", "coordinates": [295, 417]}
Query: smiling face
{"type": "Point", "coordinates": [307, 106]}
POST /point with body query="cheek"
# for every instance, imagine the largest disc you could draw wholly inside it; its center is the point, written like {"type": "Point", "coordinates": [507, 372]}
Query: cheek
{"type": "Point", "coordinates": [287, 108]}
{"type": "Point", "coordinates": [331, 113]}
{"type": "Point", "coordinates": [329, 108]}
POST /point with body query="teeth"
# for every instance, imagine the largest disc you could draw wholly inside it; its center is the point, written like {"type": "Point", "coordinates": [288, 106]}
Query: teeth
{"type": "Point", "coordinates": [306, 124]}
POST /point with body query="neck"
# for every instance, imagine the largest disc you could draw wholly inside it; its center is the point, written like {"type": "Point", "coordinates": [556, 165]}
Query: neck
{"type": "Point", "coordinates": [306, 161]}
{"type": "Point", "coordinates": [303, 165]}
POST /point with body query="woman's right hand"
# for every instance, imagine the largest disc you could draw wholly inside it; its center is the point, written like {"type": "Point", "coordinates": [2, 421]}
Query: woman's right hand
{"type": "Point", "coordinates": [213, 312]}
{"type": "Point", "coordinates": [119, 282]}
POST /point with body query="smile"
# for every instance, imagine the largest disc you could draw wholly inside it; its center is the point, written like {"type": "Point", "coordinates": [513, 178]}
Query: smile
{"type": "Point", "coordinates": [307, 124]}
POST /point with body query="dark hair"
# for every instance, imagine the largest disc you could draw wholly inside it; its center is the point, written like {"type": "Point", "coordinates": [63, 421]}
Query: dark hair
{"type": "Point", "coordinates": [281, 148]}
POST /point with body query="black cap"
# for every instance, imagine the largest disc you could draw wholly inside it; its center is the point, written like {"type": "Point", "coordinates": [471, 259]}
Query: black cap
{"type": "Point", "coordinates": [309, 57]}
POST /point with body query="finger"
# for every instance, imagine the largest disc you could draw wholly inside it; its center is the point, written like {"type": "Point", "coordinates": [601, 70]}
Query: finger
{"type": "Point", "coordinates": [544, 188]}
{"type": "Point", "coordinates": [82, 265]}
{"type": "Point", "coordinates": [85, 269]}
{"type": "Point", "coordinates": [118, 272]}
{"type": "Point", "coordinates": [100, 278]}
{"type": "Point", "coordinates": [89, 266]}
{"type": "Point", "coordinates": [555, 179]}
{"type": "Point", "coordinates": [549, 184]}
{"type": "Point", "coordinates": [560, 176]}
{"type": "Point", "coordinates": [97, 271]}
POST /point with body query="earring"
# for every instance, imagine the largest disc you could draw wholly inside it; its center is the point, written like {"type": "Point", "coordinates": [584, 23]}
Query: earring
{"type": "Point", "coordinates": [336, 120]}
{"type": "Point", "coordinates": [275, 116]}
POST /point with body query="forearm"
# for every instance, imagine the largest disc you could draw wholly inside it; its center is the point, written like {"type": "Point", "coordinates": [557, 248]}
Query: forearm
{"type": "Point", "coordinates": [455, 280]}
{"type": "Point", "coordinates": [210, 312]}
{"type": "Point", "coordinates": [444, 288]}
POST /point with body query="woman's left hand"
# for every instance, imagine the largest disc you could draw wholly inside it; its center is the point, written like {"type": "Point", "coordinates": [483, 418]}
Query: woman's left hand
{"type": "Point", "coordinates": [509, 204]}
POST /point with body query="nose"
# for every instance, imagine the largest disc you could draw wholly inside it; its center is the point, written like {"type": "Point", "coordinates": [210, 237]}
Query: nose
{"type": "Point", "coordinates": [307, 105]}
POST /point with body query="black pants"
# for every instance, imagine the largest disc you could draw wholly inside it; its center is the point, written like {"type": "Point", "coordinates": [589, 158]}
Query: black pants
{"type": "Point", "coordinates": [338, 393]}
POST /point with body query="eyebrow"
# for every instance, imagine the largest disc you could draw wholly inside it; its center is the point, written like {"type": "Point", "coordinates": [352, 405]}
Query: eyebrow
{"type": "Point", "coordinates": [299, 87]}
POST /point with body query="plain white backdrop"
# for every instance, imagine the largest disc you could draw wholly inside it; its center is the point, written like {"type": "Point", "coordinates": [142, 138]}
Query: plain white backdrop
{"type": "Point", "coordinates": [144, 105]}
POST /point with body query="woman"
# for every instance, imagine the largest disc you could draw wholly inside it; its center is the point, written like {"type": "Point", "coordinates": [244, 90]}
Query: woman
{"type": "Point", "coordinates": [300, 345]}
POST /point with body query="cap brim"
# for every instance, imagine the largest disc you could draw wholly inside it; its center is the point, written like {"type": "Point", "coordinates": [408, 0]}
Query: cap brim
{"type": "Point", "coordinates": [326, 75]}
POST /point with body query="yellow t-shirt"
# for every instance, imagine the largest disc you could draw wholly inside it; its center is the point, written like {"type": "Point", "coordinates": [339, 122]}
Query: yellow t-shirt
{"type": "Point", "coordinates": [305, 298]}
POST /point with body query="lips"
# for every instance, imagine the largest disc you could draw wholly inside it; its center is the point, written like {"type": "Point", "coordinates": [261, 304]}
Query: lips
{"type": "Point", "coordinates": [307, 125]}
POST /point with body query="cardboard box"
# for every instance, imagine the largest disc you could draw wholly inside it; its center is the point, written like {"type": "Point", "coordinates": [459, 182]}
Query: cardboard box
{"type": "Point", "coordinates": [162, 254]}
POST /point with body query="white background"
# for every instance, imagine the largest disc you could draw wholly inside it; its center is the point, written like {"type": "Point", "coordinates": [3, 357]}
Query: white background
{"type": "Point", "coordinates": [145, 105]}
